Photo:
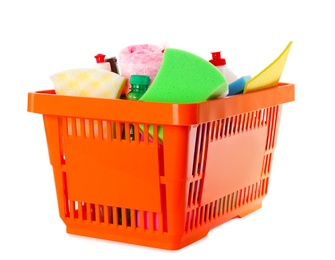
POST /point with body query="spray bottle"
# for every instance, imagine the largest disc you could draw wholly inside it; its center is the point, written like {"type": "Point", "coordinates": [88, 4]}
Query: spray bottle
{"type": "Point", "coordinates": [220, 63]}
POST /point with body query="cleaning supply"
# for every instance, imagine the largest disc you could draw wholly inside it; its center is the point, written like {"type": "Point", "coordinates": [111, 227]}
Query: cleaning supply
{"type": "Point", "coordinates": [139, 85]}
{"type": "Point", "coordinates": [113, 64]}
{"type": "Point", "coordinates": [185, 78]}
{"type": "Point", "coordinates": [88, 82]}
{"type": "Point", "coordinates": [115, 68]}
{"type": "Point", "coordinates": [101, 64]}
{"type": "Point", "coordinates": [142, 59]}
{"type": "Point", "coordinates": [237, 86]}
{"type": "Point", "coordinates": [220, 63]}
{"type": "Point", "coordinates": [270, 76]}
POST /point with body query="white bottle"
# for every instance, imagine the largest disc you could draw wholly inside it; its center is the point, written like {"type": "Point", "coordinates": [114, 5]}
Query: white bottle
{"type": "Point", "coordinates": [220, 63]}
{"type": "Point", "coordinates": [101, 64]}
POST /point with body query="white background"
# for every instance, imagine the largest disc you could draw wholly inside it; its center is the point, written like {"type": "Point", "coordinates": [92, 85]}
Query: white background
{"type": "Point", "coordinates": [39, 38]}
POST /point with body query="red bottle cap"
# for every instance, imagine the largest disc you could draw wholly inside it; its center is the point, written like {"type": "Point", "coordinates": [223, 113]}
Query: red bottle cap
{"type": "Point", "coordinates": [217, 60]}
{"type": "Point", "coordinates": [100, 58]}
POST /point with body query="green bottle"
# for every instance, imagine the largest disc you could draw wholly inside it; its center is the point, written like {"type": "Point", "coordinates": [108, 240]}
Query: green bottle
{"type": "Point", "coordinates": [139, 85]}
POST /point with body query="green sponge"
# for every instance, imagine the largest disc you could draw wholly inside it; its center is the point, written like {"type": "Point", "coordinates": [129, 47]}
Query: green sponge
{"type": "Point", "coordinates": [185, 78]}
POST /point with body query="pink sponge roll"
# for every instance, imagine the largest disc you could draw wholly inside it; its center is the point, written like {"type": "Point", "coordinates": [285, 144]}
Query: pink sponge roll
{"type": "Point", "coordinates": [143, 59]}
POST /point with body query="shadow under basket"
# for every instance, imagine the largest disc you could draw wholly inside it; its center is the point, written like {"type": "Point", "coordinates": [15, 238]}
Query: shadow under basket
{"type": "Point", "coordinates": [157, 174]}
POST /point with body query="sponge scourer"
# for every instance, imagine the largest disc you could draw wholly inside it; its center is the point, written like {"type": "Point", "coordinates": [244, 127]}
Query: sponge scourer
{"type": "Point", "coordinates": [185, 78]}
{"type": "Point", "coordinates": [88, 82]}
{"type": "Point", "coordinates": [237, 86]}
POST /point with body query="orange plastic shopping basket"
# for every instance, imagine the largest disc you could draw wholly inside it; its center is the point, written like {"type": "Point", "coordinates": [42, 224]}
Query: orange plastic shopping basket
{"type": "Point", "coordinates": [212, 164]}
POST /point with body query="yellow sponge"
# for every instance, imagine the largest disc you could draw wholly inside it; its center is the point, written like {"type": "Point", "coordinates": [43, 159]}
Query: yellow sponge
{"type": "Point", "coordinates": [88, 82]}
{"type": "Point", "coordinates": [185, 78]}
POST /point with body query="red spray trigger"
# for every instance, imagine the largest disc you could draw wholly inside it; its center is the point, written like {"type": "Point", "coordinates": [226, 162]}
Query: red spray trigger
{"type": "Point", "coordinates": [100, 58]}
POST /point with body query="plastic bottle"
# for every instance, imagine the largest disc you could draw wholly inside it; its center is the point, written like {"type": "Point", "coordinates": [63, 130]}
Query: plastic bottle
{"type": "Point", "coordinates": [220, 63]}
{"type": "Point", "coordinates": [113, 64]}
{"type": "Point", "coordinates": [109, 64]}
{"type": "Point", "coordinates": [101, 64]}
{"type": "Point", "coordinates": [139, 85]}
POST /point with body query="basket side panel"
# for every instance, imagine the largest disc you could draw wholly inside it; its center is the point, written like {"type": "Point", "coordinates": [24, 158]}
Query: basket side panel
{"type": "Point", "coordinates": [110, 169]}
{"type": "Point", "coordinates": [233, 163]}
